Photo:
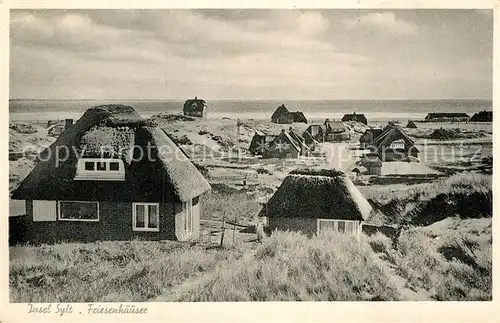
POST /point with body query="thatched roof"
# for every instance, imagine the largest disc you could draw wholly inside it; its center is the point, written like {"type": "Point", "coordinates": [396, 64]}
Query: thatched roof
{"type": "Point", "coordinates": [371, 161]}
{"type": "Point", "coordinates": [281, 111]}
{"type": "Point", "coordinates": [411, 124]}
{"type": "Point", "coordinates": [194, 105]}
{"type": "Point", "coordinates": [335, 126]}
{"type": "Point", "coordinates": [391, 134]}
{"type": "Point", "coordinates": [446, 115]}
{"type": "Point", "coordinates": [298, 116]}
{"type": "Point", "coordinates": [370, 134]}
{"type": "Point", "coordinates": [482, 116]}
{"type": "Point", "coordinates": [308, 138]}
{"type": "Point", "coordinates": [323, 193]}
{"type": "Point", "coordinates": [107, 142]}
{"type": "Point", "coordinates": [355, 117]}
{"type": "Point", "coordinates": [167, 176]}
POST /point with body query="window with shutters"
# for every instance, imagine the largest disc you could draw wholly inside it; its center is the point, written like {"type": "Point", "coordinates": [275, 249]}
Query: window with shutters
{"type": "Point", "coordinates": [349, 227]}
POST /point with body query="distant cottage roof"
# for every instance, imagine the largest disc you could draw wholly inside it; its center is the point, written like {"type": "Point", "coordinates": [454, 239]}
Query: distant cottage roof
{"type": "Point", "coordinates": [438, 115]}
{"type": "Point", "coordinates": [411, 124]}
{"type": "Point", "coordinates": [326, 194]}
{"type": "Point", "coordinates": [355, 117]}
{"type": "Point", "coordinates": [282, 112]}
{"type": "Point", "coordinates": [194, 105]}
{"type": "Point", "coordinates": [298, 116]}
{"type": "Point", "coordinates": [334, 125]}
{"type": "Point", "coordinates": [169, 175]}
{"type": "Point", "coordinates": [391, 134]}
{"type": "Point", "coordinates": [482, 116]}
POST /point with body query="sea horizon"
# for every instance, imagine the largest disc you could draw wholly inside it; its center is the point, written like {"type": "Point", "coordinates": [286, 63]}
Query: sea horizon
{"type": "Point", "coordinates": [377, 110]}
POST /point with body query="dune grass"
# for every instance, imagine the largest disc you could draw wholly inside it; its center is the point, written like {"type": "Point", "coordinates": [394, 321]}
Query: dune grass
{"type": "Point", "coordinates": [231, 205]}
{"type": "Point", "coordinates": [455, 267]}
{"type": "Point", "coordinates": [465, 195]}
{"type": "Point", "coordinates": [106, 271]}
{"type": "Point", "coordinates": [291, 267]}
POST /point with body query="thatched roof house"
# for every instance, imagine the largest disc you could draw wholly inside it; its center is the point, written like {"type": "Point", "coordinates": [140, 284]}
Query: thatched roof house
{"type": "Point", "coordinates": [312, 201]}
{"type": "Point", "coordinates": [372, 163]}
{"type": "Point", "coordinates": [309, 140]}
{"type": "Point", "coordinates": [411, 125]}
{"type": "Point", "coordinates": [100, 181]}
{"type": "Point", "coordinates": [336, 131]}
{"type": "Point", "coordinates": [369, 135]}
{"type": "Point", "coordinates": [284, 146]}
{"type": "Point", "coordinates": [195, 108]}
{"type": "Point", "coordinates": [298, 116]}
{"type": "Point", "coordinates": [260, 143]}
{"type": "Point", "coordinates": [282, 115]}
{"type": "Point", "coordinates": [355, 117]}
{"type": "Point", "coordinates": [394, 144]}
{"type": "Point", "coordinates": [482, 116]}
{"type": "Point", "coordinates": [317, 131]}
{"type": "Point", "coordinates": [447, 116]}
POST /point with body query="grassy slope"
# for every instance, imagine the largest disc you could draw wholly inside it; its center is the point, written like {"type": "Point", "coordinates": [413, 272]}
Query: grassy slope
{"type": "Point", "coordinates": [450, 253]}
{"type": "Point", "coordinates": [463, 195]}
{"type": "Point", "coordinates": [290, 266]}
{"type": "Point", "coordinates": [106, 271]}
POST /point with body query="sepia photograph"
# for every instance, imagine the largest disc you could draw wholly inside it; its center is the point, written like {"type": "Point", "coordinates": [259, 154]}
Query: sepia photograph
{"type": "Point", "coordinates": [249, 155]}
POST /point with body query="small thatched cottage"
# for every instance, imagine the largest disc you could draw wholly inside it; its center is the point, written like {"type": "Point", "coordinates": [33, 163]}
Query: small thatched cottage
{"type": "Point", "coordinates": [394, 144]}
{"type": "Point", "coordinates": [482, 116]}
{"type": "Point", "coordinates": [447, 116]}
{"type": "Point", "coordinates": [355, 117]}
{"type": "Point", "coordinates": [112, 176]}
{"type": "Point", "coordinates": [372, 163]}
{"type": "Point", "coordinates": [195, 108]}
{"type": "Point", "coordinates": [336, 131]}
{"type": "Point", "coordinates": [411, 125]}
{"type": "Point", "coordinates": [298, 116]}
{"type": "Point", "coordinates": [282, 115]}
{"type": "Point", "coordinates": [309, 140]}
{"type": "Point", "coordinates": [367, 138]}
{"type": "Point", "coordinates": [260, 143]}
{"type": "Point", "coordinates": [312, 201]}
{"type": "Point", "coordinates": [284, 146]}
{"type": "Point", "coordinates": [317, 131]}
{"type": "Point", "coordinates": [300, 141]}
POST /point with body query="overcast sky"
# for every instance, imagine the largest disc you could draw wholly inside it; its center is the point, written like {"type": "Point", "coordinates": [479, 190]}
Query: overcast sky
{"type": "Point", "coordinates": [251, 54]}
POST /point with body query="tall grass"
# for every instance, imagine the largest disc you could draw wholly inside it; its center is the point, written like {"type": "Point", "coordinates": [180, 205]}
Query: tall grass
{"type": "Point", "coordinates": [106, 271]}
{"type": "Point", "coordinates": [466, 195]}
{"type": "Point", "coordinates": [290, 266]}
{"type": "Point", "coordinates": [230, 206]}
{"type": "Point", "coordinates": [456, 266]}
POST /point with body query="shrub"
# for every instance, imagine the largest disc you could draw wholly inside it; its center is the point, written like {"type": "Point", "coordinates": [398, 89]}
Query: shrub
{"type": "Point", "coordinates": [380, 243]}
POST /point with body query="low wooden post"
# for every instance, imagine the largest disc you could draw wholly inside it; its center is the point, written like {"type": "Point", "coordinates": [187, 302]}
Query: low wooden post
{"type": "Point", "coordinates": [223, 230]}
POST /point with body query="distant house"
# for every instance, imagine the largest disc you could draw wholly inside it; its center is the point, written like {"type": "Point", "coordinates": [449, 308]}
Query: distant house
{"type": "Point", "coordinates": [284, 146]}
{"type": "Point", "coordinates": [260, 143]}
{"type": "Point", "coordinates": [195, 108]}
{"type": "Point", "coordinates": [317, 131]}
{"type": "Point", "coordinates": [336, 131]}
{"type": "Point", "coordinates": [313, 201]}
{"type": "Point", "coordinates": [116, 184]}
{"type": "Point", "coordinates": [394, 144]}
{"type": "Point", "coordinates": [282, 115]}
{"type": "Point", "coordinates": [300, 141]}
{"type": "Point", "coordinates": [482, 116]}
{"type": "Point", "coordinates": [369, 136]}
{"type": "Point", "coordinates": [299, 117]}
{"type": "Point", "coordinates": [447, 116]}
{"type": "Point", "coordinates": [355, 117]}
{"type": "Point", "coordinates": [309, 140]}
{"type": "Point", "coordinates": [372, 163]}
{"type": "Point", "coordinates": [411, 125]}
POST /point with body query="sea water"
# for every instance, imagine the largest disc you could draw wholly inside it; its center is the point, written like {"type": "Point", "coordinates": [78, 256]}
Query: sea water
{"type": "Point", "coordinates": [314, 110]}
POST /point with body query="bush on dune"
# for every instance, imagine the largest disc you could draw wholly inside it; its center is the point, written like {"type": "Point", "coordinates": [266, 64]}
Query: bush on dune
{"type": "Point", "coordinates": [290, 266]}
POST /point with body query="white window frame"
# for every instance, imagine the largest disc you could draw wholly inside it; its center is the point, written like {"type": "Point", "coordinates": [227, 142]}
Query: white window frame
{"type": "Point", "coordinates": [336, 224]}
{"type": "Point", "coordinates": [100, 175]}
{"type": "Point", "coordinates": [146, 217]}
{"type": "Point", "coordinates": [188, 227]}
{"type": "Point", "coordinates": [79, 220]}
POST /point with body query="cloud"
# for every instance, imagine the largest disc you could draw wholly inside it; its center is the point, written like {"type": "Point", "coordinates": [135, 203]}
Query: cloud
{"type": "Point", "coordinates": [383, 21]}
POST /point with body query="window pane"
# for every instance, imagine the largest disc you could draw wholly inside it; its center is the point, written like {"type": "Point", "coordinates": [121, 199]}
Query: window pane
{"type": "Point", "coordinates": [326, 225]}
{"type": "Point", "coordinates": [341, 226]}
{"type": "Point", "coordinates": [89, 165]}
{"type": "Point", "coordinates": [139, 216]}
{"type": "Point", "coordinates": [79, 210]}
{"type": "Point", "coordinates": [101, 166]}
{"type": "Point", "coordinates": [152, 216]}
{"type": "Point", "coordinates": [114, 166]}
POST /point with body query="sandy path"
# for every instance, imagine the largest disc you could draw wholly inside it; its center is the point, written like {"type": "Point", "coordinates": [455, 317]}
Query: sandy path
{"type": "Point", "coordinates": [401, 283]}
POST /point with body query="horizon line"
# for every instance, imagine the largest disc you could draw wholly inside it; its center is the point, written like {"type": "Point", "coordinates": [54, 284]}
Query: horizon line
{"type": "Point", "coordinates": [245, 99]}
